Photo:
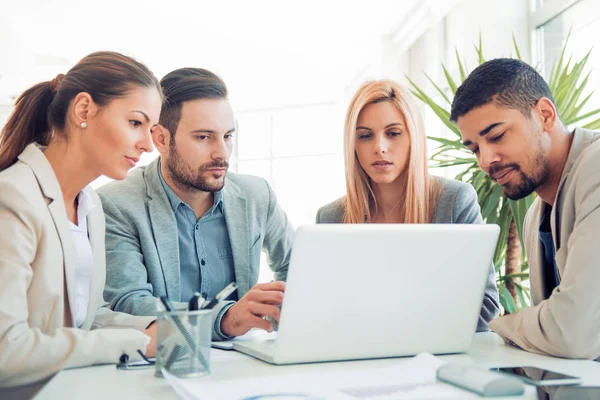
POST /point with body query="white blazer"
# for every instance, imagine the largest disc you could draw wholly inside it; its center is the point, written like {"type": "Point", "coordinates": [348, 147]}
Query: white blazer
{"type": "Point", "coordinates": [37, 282]}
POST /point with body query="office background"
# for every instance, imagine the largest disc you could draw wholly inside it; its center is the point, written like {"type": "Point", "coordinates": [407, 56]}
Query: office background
{"type": "Point", "coordinates": [291, 67]}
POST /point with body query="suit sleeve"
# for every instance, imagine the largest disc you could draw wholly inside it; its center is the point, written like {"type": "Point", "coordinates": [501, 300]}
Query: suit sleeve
{"type": "Point", "coordinates": [28, 353]}
{"type": "Point", "coordinates": [279, 236]}
{"type": "Point", "coordinates": [467, 211]}
{"type": "Point", "coordinates": [567, 324]}
{"type": "Point", "coordinates": [318, 217]}
{"type": "Point", "coordinates": [127, 287]}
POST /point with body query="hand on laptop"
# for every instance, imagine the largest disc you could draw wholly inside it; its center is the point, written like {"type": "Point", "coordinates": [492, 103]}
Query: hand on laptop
{"type": "Point", "coordinates": [263, 300]}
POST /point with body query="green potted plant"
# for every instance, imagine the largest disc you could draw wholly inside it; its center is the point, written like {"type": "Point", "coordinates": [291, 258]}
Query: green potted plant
{"type": "Point", "coordinates": [568, 84]}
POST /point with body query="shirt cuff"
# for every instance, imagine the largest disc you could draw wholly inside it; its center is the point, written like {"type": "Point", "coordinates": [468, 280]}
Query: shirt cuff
{"type": "Point", "coordinates": [147, 340]}
{"type": "Point", "coordinates": [221, 335]}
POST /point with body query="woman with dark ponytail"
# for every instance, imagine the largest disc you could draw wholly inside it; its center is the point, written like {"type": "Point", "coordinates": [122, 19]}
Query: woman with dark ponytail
{"type": "Point", "coordinates": [63, 134]}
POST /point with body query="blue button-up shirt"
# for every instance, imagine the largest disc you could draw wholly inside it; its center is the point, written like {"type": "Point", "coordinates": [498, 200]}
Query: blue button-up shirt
{"type": "Point", "coordinates": [205, 256]}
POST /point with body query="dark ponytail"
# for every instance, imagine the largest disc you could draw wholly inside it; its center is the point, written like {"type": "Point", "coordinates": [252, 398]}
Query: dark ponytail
{"type": "Point", "coordinates": [28, 123]}
{"type": "Point", "coordinates": [106, 76]}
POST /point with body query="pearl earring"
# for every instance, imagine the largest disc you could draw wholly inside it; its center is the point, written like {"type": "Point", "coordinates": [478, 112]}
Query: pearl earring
{"type": "Point", "coordinates": [84, 124]}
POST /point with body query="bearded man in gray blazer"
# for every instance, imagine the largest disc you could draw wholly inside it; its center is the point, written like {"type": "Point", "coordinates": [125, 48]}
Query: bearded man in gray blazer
{"type": "Point", "coordinates": [508, 118]}
{"type": "Point", "coordinates": [182, 224]}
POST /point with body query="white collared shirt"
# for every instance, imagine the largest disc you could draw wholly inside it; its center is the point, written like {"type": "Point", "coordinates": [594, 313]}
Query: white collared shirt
{"type": "Point", "coordinates": [85, 257]}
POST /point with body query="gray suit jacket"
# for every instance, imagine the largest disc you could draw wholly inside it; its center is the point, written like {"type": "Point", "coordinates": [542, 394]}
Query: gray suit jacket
{"type": "Point", "coordinates": [142, 249]}
{"type": "Point", "coordinates": [565, 322]}
{"type": "Point", "coordinates": [457, 204]}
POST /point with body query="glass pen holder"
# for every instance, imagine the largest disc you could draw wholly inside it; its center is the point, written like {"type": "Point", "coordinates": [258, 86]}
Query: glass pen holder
{"type": "Point", "coordinates": [183, 342]}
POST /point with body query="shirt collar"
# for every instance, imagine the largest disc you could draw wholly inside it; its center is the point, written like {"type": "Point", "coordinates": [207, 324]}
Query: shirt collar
{"type": "Point", "coordinates": [85, 201]}
{"type": "Point", "coordinates": [85, 205]}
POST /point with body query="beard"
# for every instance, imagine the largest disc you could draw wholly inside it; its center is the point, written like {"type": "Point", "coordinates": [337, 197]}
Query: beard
{"type": "Point", "coordinates": [525, 183]}
{"type": "Point", "coordinates": [188, 179]}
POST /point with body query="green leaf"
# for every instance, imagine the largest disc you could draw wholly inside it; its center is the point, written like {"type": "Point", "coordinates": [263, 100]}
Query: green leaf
{"type": "Point", "coordinates": [568, 120]}
{"type": "Point", "coordinates": [451, 83]}
{"type": "Point", "coordinates": [461, 67]}
{"type": "Point", "coordinates": [440, 91]}
{"type": "Point", "coordinates": [504, 219]}
{"type": "Point", "coordinates": [594, 125]}
{"type": "Point", "coordinates": [442, 114]}
{"type": "Point", "coordinates": [453, 143]}
{"type": "Point", "coordinates": [522, 292]}
{"type": "Point", "coordinates": [584, 116]}
{"type": "Point", "coordinates": [518, 214]}
{"type": "Point", "coordinates": [492, 204]}
{"type": "Point", "coordinates": [516, 47]}
{"type": "Point", "coordinates": [479, 51]}
{"type": "Point", "coordinates": [569, 110]}
{"type": "Point", "coordinates": [525, 291]}
{"type": "Point", "coordinates": [519, 290]}
{"type": "Point", "coordinates": [506, 300]}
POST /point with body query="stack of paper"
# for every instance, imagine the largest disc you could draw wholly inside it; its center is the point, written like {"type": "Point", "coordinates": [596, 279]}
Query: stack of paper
{"type": "Point", "coordinates": [413, 379]}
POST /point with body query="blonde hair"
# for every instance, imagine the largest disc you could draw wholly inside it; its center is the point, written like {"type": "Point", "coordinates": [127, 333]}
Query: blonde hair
{"type": "Point", "coordinates": [421, 188]}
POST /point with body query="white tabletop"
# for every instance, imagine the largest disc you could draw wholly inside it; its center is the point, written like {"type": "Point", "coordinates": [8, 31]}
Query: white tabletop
{"type": "Point", "coordinates": [107, 383]}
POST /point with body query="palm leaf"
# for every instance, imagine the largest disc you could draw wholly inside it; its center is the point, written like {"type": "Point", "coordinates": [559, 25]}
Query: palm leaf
{"type": "Point", "coordinates": [440, 91]}
{"type": "Point", "coordinates": [516, 47]}
{"type": "Point", "coordinates": [461, 68]}
{"type": "Point", "coordinates": [450, 81]}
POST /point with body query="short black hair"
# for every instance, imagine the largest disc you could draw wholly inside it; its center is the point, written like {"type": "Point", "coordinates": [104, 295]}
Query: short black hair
{"type": "Point", "coordinates": [186, 84]}
{"type": "Point", "coordinates": [507, 81]}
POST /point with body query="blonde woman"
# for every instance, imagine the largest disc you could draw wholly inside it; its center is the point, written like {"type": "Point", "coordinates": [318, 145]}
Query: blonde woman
{"type": "Point", "coordinates": [387, 180]}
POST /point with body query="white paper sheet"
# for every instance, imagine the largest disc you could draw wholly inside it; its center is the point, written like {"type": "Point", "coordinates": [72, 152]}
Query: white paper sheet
{"type": "Point", "coordinates": [413, 379]}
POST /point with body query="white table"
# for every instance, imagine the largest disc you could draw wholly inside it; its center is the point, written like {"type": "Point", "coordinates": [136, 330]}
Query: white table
{"type": "Point", "coordinates": [107, 383]}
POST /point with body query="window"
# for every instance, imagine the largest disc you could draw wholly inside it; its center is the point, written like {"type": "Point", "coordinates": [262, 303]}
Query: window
{"type": "Point", "coordinates": [299, 151]}
{"type": "Point", "coordinates": [580, 18]}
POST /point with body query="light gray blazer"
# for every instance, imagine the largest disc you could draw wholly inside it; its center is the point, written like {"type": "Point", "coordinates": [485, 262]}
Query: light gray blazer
{"type": "Point", "coordinates": [38, 259]}
{"type": "Point", "coordinates": [142, 248]}
{"type": "Point", "coordinates": [564, 322]}
{"type": "Point", "coordinates": [457, 204]}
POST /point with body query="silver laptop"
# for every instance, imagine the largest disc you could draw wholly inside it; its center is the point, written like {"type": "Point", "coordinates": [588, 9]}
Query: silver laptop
{"type": "Point", "coordinates": [359, 291]}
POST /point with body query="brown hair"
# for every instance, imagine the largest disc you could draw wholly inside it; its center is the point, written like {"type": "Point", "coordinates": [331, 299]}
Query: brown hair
{"type": "Point", "coordinates": [187, 84]}
{"type": "Point", "coordinates": [105, 75]}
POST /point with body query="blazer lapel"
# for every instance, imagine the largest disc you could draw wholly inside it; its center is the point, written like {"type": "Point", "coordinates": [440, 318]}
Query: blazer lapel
{"type": "Point", "coordinates": [96, 232]}
{"type": "Point", "coordinates": [61, 221]}
{"type": "Point", "coordinates": [534, 254]}
{"type": "Point", "coordinates": [164, 228]}
{"type": "Point", "coordinates": [35, 159]}
{"type": "Point", "coordinates": [236, 219]}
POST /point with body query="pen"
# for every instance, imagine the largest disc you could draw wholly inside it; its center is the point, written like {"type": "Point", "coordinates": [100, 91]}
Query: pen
{"type": "Point", "coordinates": [223, 294]}
{"type": "Point", "coordinates": [194, 304]}
{"type": "Point", "coordinates": [184, 332]}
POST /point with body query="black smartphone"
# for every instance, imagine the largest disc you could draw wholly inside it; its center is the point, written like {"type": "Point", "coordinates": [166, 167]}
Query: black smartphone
{"type": "Point", "coordinates": [539, 377]}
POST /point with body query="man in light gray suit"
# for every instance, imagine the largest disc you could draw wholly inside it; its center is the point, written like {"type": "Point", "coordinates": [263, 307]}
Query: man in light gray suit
{"type": "Point", "coordinates": [182, 224]}
{"type": "Point", "coordinates": [508, 118]}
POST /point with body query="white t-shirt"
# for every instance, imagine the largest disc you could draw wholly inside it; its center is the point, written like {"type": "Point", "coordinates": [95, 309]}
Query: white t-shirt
{"type": "Point", "coordinates": [85, 257]}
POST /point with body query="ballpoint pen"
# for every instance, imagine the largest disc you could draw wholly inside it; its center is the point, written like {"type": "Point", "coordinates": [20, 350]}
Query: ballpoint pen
{"type": "Point", "coordinates": [196, 302]}
{"type": "Point", "coordinates": [223, 294]}
{"type": "Point", "coordinates": [194, 305]}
